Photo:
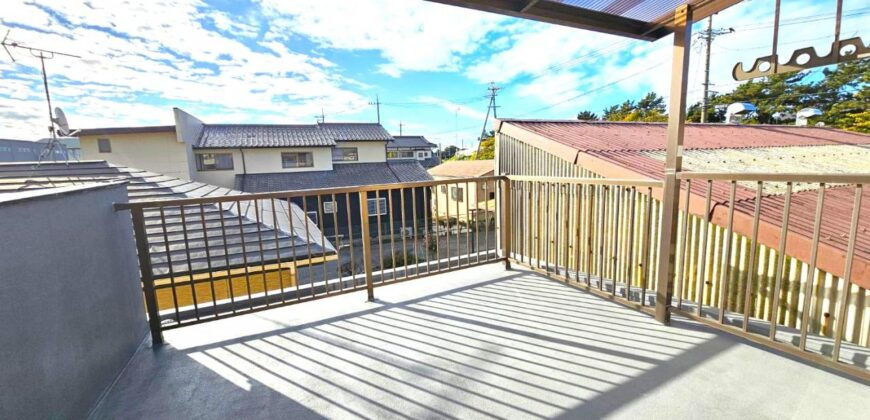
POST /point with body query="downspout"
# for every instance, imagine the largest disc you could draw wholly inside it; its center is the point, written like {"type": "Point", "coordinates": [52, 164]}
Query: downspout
{"type": "Point", "coordinates": [244, 167]}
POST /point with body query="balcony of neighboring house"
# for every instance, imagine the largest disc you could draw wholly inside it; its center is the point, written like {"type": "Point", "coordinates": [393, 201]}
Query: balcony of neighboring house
{"type": "Point", "coordinates": [429, 322]}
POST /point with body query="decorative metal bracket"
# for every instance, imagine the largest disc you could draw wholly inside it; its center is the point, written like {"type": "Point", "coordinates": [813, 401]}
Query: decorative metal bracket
{"type": "Point", "coordinates": [804, 58]}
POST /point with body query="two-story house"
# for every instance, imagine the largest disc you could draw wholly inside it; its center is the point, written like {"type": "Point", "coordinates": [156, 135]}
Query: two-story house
{"type": "Point", "coordinates": [413, 147]}
{"type": "Point", "coordinates": [270, 157]}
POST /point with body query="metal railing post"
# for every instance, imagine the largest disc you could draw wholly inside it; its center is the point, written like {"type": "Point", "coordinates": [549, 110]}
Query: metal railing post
{"type": "Point", "coordinates": [146, 274]}
{"type": "Point", "coordinates": [367, 246]}
{"type": "Point", "coordinates": [673, 163]}
{"type": "Point", "coordinates": [506, 221]}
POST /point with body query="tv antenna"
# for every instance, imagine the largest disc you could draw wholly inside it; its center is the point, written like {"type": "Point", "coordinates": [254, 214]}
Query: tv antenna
{"type": "Point", "coordinates": [42, 55]}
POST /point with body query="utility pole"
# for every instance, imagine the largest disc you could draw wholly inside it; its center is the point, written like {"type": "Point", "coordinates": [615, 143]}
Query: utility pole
{"type": "Point", "coordinates": [377, 104]}
{"type": "Point", "coordinates": [493, 92]}
{"type": "Point", "coordinates": [708, 36]}
{"type": "Point", "coordinates": [400, 128]}
{"type": "Point", "coordinates": [321, 118]}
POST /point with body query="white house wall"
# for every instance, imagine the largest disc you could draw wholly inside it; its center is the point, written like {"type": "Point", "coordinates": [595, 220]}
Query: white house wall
{"type": "Point", "coordinates": [155, 152]}
{"type": "Point", "coordinates": [258, 161]}
{"type": "Point", "coordinates": [369, 151]}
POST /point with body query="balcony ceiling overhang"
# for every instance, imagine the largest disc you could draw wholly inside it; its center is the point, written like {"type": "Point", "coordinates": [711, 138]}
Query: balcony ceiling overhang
{"type": "Point", "coordinates": [640, 19]}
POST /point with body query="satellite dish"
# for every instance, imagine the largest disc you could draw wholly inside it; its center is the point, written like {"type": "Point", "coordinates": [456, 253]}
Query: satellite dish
{"type": "Point", "coordinates": [60, 120]}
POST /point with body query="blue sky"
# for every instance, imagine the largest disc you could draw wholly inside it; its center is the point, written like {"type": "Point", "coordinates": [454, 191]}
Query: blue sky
{"type": "Point", "coordinates": [280, 61]}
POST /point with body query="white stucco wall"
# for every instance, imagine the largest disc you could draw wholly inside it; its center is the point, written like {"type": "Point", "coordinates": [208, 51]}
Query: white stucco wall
{"type": "Point", "coordinates": [369, 151]}
{"type": "Point", "coordinates": [258, 161]}
{"type": "Point", "coordinates": [156, 152]}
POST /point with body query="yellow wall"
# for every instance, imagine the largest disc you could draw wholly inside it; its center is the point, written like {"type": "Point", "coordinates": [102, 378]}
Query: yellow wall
{"type": "Point", "coordinates": [475, 195]}
{"type": "Point", "coordinates": [155, 152]}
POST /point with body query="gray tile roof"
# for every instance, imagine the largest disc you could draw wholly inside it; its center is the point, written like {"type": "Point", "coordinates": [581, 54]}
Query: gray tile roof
{"type": "Point", "coordinates": [357, 131]}
{"type": "Point", "coordinates": [299, 135]}
{"type": "Point", "coordinates": [342, 175]}
{"type": "Point", "coordinates": [252, 135]}
{"type": "Point", "coordinates": [206, 240]}
{"type": "Point", "coordinates": [410, 142]}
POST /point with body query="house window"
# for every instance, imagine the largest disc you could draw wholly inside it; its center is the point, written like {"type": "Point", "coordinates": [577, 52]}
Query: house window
{"type": "Point", "coordinates": [422, 155]}
{"type": "Point", "coordinates": [443, 189]}
{"type": "Point", "coordinates": [329, 207]}
{"type": "Point", "coordinates": [214, 161]}
{"type": "Point", "coordinates": [343, 154]}
{"type": "Point", "coordinates": [492, 196]}
{"type": "Point", "coordinates": [381, 206]}
{"type": "Point", "coordinates": [456, 193]}
{"type": "Point", "coordinates": [400, 154]}
{"type": "Point", "coordinates": [104, 145]}
{"type": "Point", "coordinates": [313, 216]}
{"type": "Point", "coordinates": [297, 160]}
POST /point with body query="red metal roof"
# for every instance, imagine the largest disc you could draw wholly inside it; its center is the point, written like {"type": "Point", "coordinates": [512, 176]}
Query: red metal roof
{"type": "Point", "coordinates": [587, 136]}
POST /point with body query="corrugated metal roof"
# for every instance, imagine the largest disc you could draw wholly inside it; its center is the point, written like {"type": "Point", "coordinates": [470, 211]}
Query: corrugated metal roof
{"type": "Point", "coordinates": [241, 232]}
{"type": "Point", "coordinates": [463, 168]}
{"type": "Point", "coordinates": [589, 136]}
{"type": "Point", "coordinates": [342, 175]}
{"type": "Point", "coordinates": [643, 10]}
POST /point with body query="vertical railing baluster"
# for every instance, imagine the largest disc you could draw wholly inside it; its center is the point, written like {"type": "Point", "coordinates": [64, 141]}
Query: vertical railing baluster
{"type": "Point", "coordinates": [753, 255]}
{"type": "Point", "coordinates": [380, 235]}
{"type": "Point", "coordinates": [565, 190]}
{"type": "Point", "coordinates": [632, 202]}
{"type": "Point", "coordinates": [407, 268]}
{"type": "Point", "coordinates": [230, 291]}
{"type": "Point", "coordinates": [702, 268]}
{"type": "Point", "coordinates": [682, 264]}
{"type": "Point", "coordinates": [307, 222]}
{"type": "Point", "coordinates": [726, 265]}
{"type": "Point", "coordinates": [780, 262]}
{"type": "Point", "coordinates": [190, 277]}
{"type": "Point", "coordinates": [258, 222]}
{"type": "Point", "coordinates": [547, 241]}
{"type": "Point", "coordinates": [601, 224]}
{"type": "Point", "coordinates": [367, 244]}
{"type": "Point", "coordinates": [276, 229]}
{"type": "Point", "coordinates": [811, 273]}
{"type": "Point", "coordinates": [447, 197]}
{"type": "Point", "coordinates": [840, 328]}
{"type": "Point", "coordinates": [436, 224]}
{"type": "Point", "coordinates": [506, 223]}
{"type": "Point", "coordinates": [293, 247]}
{"type": "Point", "coordinates": [590, 210]}
{"type": "Point", "coordinates": [169, 265]}
{"type": "Point", "coordinates": [208, 259]}
{"type": "Point", "coordinates": [336, 242]}
{"type": "Point", "coordinates": [414, 216]}
{"type": "Point", "coordinates": [392, 231]}
{"type": "Point", "coordinates": [578, 223]}
{"type": "Point", "coordinates": [648, 229]}
{"type": "Point", "coordinates": [539, 220]}
{"type": "Point", "coordinates": [147, 275]}
{"type": "Point", "coordinates": [616, 234]}
{"type": "Point", "coordinates": [323, 260]}
{"type": "Point", "coordinates": [468, 223]}
{"type": "Point", "coordinates": [459, 195]}
{"type": "Point", "coordinates": [350, 239]}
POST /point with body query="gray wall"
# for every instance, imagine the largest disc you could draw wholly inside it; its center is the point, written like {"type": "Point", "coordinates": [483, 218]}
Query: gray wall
{"type": "Point", "coordinates": [70, 304]}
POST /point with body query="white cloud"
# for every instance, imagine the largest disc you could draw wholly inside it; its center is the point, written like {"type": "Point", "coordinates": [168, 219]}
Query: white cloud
{"type": "Point", "coordinates": [410, 35]}
{"type": "Point", "coordinates": [460, 109]}
{"type": "Point", "coordinates": [160, 51]}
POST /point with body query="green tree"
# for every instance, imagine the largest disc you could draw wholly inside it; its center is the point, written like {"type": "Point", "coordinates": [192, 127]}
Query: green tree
{"type": "Point", "coordinates": [650, 108]}
{"type": "Point", "coordinates": [587, 116]}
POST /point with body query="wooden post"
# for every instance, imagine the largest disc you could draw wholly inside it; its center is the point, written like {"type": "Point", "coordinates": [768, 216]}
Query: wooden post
{"type": "Point", "coordinates": [673, 162]}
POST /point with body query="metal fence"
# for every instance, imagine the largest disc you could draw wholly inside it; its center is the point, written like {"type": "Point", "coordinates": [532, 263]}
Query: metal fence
{"type": "Point", "coordinates": [598, 234]}
{"type": "Point", "coordinates": [208, 258]}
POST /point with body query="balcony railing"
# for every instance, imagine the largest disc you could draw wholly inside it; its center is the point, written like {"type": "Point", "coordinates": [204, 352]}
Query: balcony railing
{"type": "Point", "coordinates": [199, 261]}
{"type": "Point", "coordinates": [601, 235]}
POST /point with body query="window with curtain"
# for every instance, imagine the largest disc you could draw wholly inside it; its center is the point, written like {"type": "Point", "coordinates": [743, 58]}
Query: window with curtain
{"type": "Point", "coordinates": [214, 161]}
{"type": "Point", "coordinates": [297, 160]}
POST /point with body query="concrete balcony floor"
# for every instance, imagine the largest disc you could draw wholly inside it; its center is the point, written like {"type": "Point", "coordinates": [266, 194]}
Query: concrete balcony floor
{"type": "Point", "coordinates": [475, 343]}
